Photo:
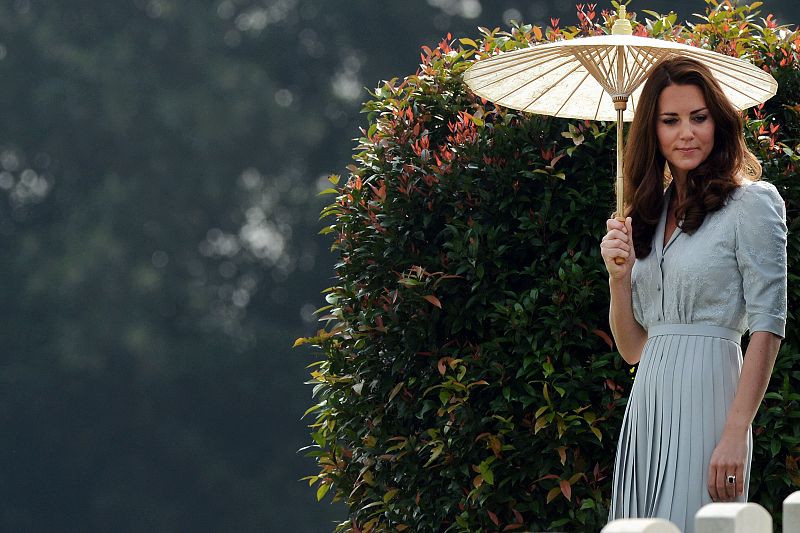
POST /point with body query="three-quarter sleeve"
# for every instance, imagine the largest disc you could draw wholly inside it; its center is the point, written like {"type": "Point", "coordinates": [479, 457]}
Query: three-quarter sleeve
{"type": "Point", "coordinates": [761, 256]}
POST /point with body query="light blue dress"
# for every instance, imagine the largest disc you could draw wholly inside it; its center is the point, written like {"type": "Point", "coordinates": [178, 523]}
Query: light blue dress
{"type": "Point", "coordinates": [695, 297]}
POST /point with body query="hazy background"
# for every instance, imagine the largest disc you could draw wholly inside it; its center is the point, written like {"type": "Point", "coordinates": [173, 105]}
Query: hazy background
{"type": "Point", "coordinates": [159, 164]}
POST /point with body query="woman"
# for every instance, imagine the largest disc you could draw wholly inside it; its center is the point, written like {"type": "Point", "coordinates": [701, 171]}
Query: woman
{"type": "Point", "coordinates": [704, 260]}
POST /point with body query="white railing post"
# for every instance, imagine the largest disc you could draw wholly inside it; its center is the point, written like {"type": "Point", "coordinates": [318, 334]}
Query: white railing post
{"type": "Point", "coordinates": [791, 513]}
{"type": "Point", "coordinates": [733, 518]}
{"type": "Point", "coordinates": [640, 525]}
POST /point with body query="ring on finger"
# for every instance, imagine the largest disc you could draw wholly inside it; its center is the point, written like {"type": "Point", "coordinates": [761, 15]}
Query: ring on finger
{"type": "Point", "coordinates": [731, 479]}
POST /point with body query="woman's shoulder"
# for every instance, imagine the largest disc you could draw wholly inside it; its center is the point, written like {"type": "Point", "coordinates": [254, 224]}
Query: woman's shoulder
{"type": "Point", "coordinates": [756, 192]}
{"type": "Point", "coordinates": [757, 199]}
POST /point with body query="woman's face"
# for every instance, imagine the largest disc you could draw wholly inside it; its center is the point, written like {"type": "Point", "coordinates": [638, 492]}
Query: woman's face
{"type": "Point", "coordinates": [684, 128]}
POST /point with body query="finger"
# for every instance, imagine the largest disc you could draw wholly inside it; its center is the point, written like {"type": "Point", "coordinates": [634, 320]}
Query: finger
{"type": "Point", "coordinates": [629, 227]}
{"type": "Point", "coordinates": [616, 234]}
{"type": "Point", "coordinates": [712, 483]}
{"type": "Point", "coordinates": [613, 223]}
{"type": "Point", "coordinates": [609, 254]}
{"type": "Point", "coordinates": [739, 480]}
{"type": "Point", "coordinates": [730, 488]}
{"type": "Point", "coordinates": [615, 243]}
{"type": "Point", "coordinates": [722, 493]}
{"type": "Point", "coordinates": [735, 488]}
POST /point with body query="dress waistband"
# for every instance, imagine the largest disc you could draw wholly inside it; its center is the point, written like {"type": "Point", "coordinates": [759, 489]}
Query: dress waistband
{"type": "Point", "coordinates": [702, 330]}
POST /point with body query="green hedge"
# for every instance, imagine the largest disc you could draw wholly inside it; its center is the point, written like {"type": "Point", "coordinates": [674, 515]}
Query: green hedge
{"type": "Point", "coordinates": [468, 381]}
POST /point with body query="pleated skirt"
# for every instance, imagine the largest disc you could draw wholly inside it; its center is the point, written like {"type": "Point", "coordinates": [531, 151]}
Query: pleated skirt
{"type": "Point", "coordinates": [676, 412]}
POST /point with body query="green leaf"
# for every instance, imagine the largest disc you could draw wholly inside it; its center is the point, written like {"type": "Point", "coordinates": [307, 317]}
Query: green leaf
{"type": "Point", "coordinates": [488, 476]}
{"type": "Point", "coordinates": [775, 447]}
{"type": "Point", "coordinates": [390, 494]}
{"type": "Point", "coordinates": [437, 451]}
{"type": "Point", "coordinates": [322, 490]}
{"type": "Point", "coordinates": [444, 396]}
{"type": "Point", "coordinates": [397, 388]}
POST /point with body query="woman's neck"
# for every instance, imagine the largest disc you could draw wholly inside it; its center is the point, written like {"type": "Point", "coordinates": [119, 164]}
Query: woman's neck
{"type": "Point", "coordinates": [678, 189]}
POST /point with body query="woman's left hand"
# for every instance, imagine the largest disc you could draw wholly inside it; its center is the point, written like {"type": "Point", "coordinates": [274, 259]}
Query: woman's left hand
{"type": "Point", "coordinates": [728, 459]}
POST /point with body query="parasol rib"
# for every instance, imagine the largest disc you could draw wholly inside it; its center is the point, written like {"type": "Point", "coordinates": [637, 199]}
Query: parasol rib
{"type": "Point", "coordinates": [599, 103]}
{"type": "Point", "coordinates": [645, 63]}
{"type": "Point", "coordinates": [592, 62]}
{"type": "Point", "coordinates": [567, 99]}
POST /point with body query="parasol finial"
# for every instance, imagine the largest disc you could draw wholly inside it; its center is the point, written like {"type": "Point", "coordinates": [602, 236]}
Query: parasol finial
{"type": "Point", "coordinates": [622, 26]}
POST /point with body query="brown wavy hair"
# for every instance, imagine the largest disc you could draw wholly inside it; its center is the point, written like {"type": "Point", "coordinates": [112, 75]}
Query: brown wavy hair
{"type": "Point", "coordinates": [710, 184]}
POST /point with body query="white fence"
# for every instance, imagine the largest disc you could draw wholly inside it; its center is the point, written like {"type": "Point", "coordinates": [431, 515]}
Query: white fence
{"type": "Point", "coordinates": [719, 518]}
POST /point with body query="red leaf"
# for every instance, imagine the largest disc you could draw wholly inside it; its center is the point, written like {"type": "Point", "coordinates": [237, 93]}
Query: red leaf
{"type": "Point", "coordinates": [566, 489]}
{"type": "Point", "coordinates": [433, 300]}
{"type": "Point", "coordinates": [379, 192]}
{"type": "Point", "coordinates": [603, 335]}
{"type": "Point", "coordinates": [493, 518]}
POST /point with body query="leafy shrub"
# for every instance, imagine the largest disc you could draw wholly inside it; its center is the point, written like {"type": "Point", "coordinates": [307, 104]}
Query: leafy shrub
{"type": "Point", "coordinates": [469, 382]}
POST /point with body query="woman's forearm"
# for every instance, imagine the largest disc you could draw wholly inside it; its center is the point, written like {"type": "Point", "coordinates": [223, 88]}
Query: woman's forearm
{"type": "Point", "coordinates": [628, 334]}
{"type": "Point", "coordinates": [756, 371]}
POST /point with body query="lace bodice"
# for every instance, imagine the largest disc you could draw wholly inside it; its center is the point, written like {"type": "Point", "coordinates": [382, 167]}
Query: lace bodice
{"type": "Point", "coordinates": [731, 272]}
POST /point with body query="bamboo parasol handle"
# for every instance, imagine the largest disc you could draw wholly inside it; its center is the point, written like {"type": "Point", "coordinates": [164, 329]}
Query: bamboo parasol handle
{"type": "Point", "coordinates": [620, 103]}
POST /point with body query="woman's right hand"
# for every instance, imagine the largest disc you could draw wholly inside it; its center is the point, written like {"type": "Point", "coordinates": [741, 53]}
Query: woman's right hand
{"type": "Point", "coordinates": [618, 242]}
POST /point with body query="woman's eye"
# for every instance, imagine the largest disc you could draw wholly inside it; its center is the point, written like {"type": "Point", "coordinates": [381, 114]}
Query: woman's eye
{"type": "Point", "coordinates": [670, 120]}
{"type": "Point", "coordinates": [699, 118]}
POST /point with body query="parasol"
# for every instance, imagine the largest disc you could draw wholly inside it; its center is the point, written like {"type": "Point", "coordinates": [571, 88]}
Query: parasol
{"type": "Point", "coordinates": [600, 78]}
